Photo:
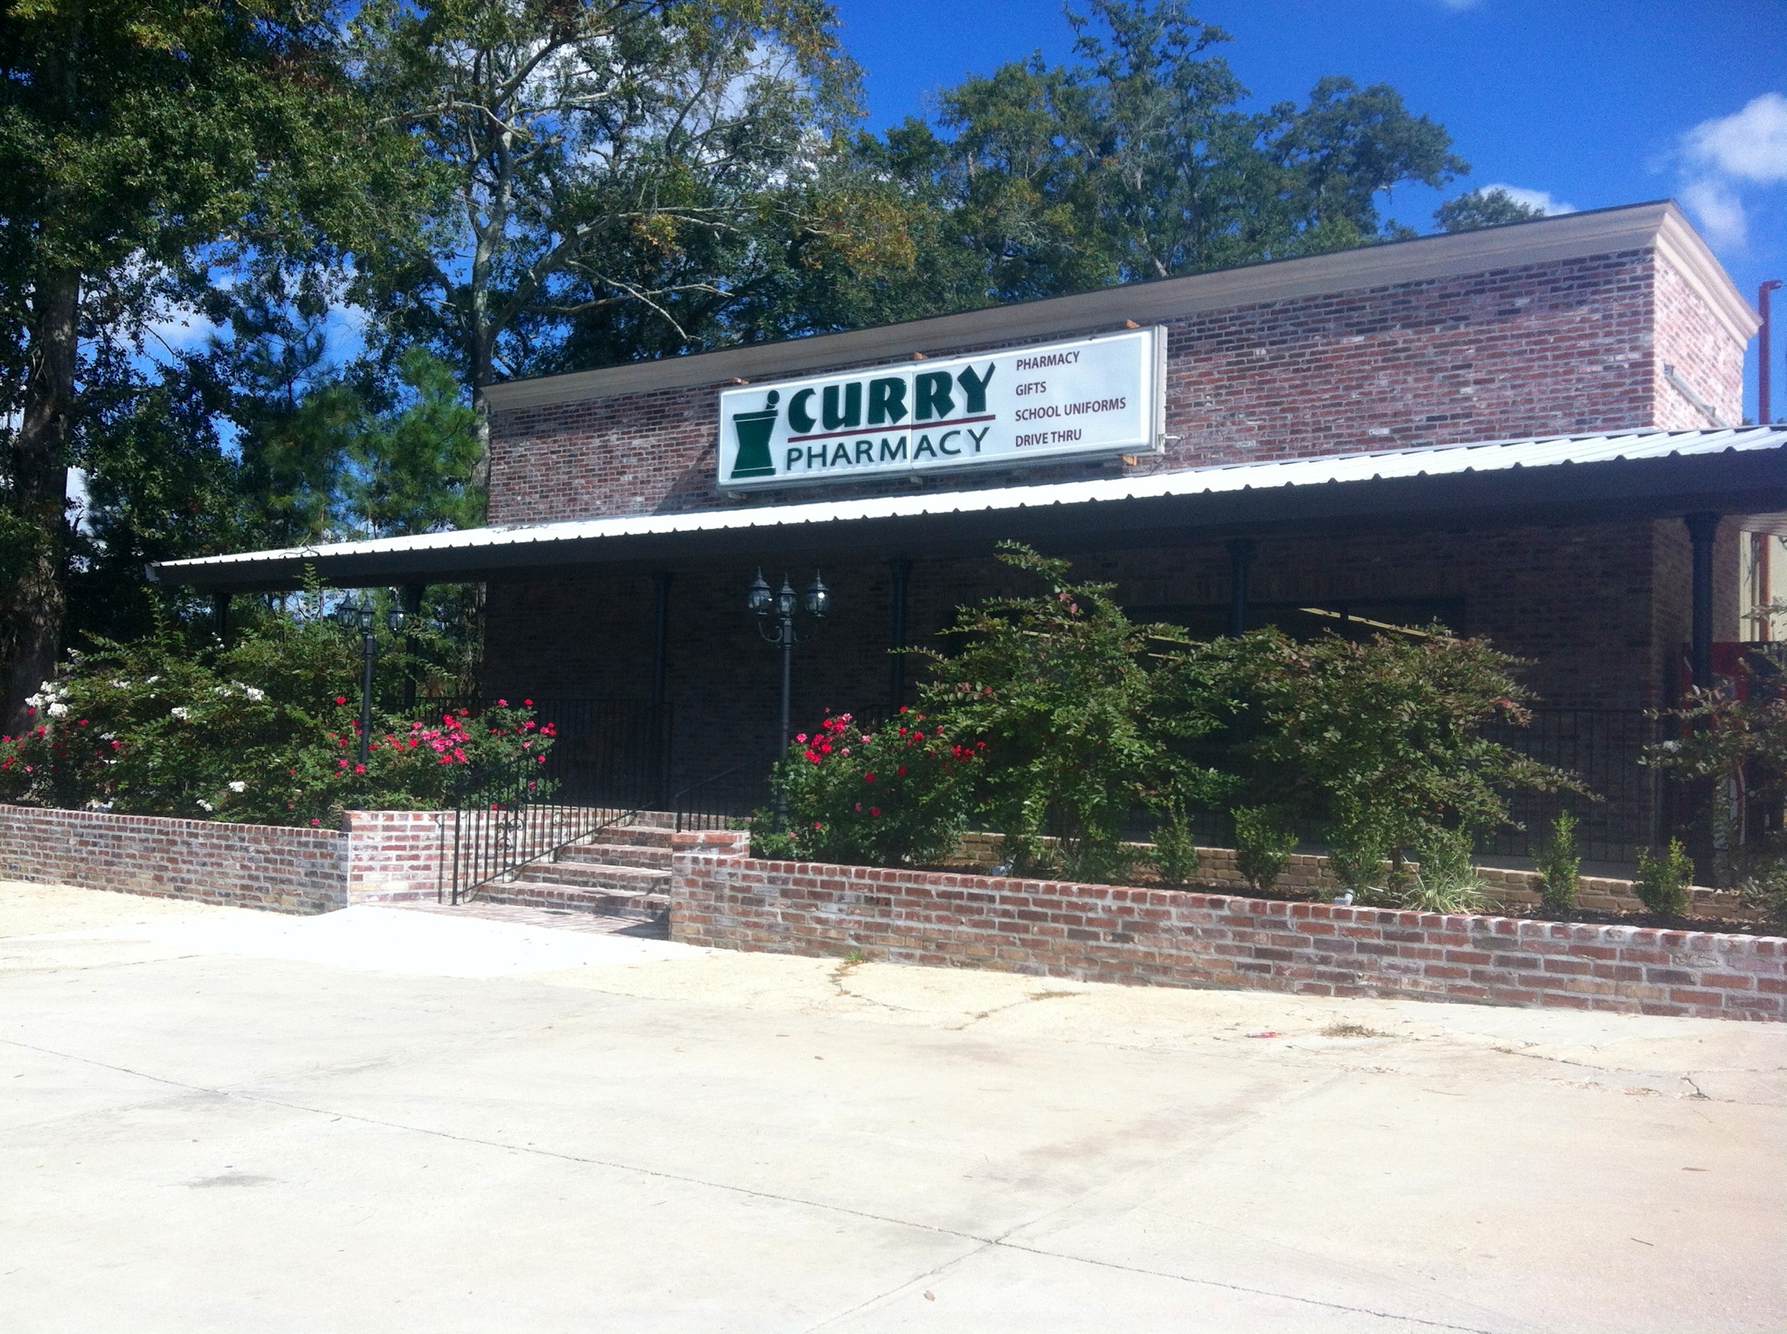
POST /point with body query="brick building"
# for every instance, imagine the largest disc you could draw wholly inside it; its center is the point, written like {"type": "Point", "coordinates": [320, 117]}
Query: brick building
{"type": "Point", "coordinates": [1527, 432]}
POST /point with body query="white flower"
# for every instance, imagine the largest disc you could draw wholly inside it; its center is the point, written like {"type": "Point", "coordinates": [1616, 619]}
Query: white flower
{"type": "Point", "coordinates": [205, 805]}
{"type": "Point", "coordinates": [1672, 746]}
{"type": "Point", "coordinates": [253, 694]}
{"type": "Point", "coordinates": [238, 786]}
{"type": "Point", "coordinates": [153, 679]}
{"type": "Point", "coordinates": [120, 685]}
{"type": "Point", "coordinates": [180, 713]}
{"type": "Point", "coordinates": [58, 710]}
{"type": "Point", "coordinates": [35, 701]}
{"type": "Point", "coordinates": [48, 687]}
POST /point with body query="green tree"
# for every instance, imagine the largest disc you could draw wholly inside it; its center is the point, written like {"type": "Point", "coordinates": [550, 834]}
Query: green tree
{"type": "Point", "coordinates": [1137, 162]}
{"type": "Point", "coordinates": [132, 134]}
{"type": "Point", "coordinates": [1484, 208]}
{"type": "Point", "coordinates": [590, 157]}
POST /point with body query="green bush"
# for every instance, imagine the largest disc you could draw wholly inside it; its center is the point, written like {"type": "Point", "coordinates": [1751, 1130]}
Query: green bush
{"type": "Point", "coordinates": [1444, 880]}
{"type": "Point", "coordinates": [1175, 850]}
{"type": "Point", "coordinates": [1063, 691]}
{"type": "Point", "coordinates": [264, 732]}
{"type": "Point", "coordinates": [1264, 842]}
{"type": "Point", "coordinates": [1382, 740]}
{"type": "Point", "coordinates": [1560, 864]}
{"type": "Point", "coordinates": [1662, 884]}
{"type": "Point", "coordinates": [898, 795]}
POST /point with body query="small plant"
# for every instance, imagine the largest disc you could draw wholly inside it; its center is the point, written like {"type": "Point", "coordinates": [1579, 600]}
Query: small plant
{"type": "Point", "coordinates": [1263, 844]}
{"type": "Point", "coordinates": [1175, 850]}
{"type": "Point", "coordinates": [1356, 859]}
{"type": "Point", "coordinates": [1445, 881]}
{"type": "Point", "coordinates": [1662, 884]}
{"type": "Point", "coordinates": [1560, 864]}
{"type": "Point", "coordinates": [1346, 1029]}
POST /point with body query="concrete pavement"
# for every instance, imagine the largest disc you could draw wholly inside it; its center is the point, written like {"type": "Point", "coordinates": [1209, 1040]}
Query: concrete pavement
{"type": "Point", "coordinates": [387, 1119]}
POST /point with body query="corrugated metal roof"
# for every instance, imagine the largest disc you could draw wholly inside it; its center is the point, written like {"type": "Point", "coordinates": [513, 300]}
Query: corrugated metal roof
{"type": "Point", "coordinates": [1429, 461]}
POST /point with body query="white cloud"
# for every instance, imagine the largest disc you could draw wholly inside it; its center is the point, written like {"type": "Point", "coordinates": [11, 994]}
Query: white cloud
{"type": "Point", "coordinates": [1539, 199]}
{"type": "Point", "coordinates": [1748, 147]}
{"type": "Point", "coordinates": [1750, 144]}
{"type": "Point", "coordinates": [1719, 211]}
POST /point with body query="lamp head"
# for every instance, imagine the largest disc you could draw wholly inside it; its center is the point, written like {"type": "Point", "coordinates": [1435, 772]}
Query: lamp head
{"type": "Point", "coordinates": [818, 598]}
{"type": "Point", "coordinates": [396, 618]}
{"type": "Point", "coordinates": [757, 596]}
{"type": "Point", "coordinates": [785, 598]}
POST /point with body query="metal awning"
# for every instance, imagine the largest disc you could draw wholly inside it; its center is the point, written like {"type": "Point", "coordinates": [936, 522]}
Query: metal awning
{"type": "Point", "coordinates": [1577, 478]}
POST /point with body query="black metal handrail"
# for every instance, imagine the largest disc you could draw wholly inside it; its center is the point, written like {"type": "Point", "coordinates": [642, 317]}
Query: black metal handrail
{"type": "Point", "coordinates": [713, 807]}
{"type": "Point", "coordinates": [508, 817]}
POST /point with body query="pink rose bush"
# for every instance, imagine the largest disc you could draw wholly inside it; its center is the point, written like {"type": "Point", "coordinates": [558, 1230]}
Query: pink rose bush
{"type": "Point", "coordinates": [896, 795]}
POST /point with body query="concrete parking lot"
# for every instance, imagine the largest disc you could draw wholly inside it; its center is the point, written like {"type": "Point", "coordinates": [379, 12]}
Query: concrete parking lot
{"type": "Point", "coordinates": [397, 1119]}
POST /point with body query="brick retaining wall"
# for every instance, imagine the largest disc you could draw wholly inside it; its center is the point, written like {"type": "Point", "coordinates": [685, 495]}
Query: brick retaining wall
{"type": "Point", "coordinates": [1103, 933]}
{"type": "Point", "coordinates": [255, 866]}
{"type": "Point", "coordinates": [394, 855]}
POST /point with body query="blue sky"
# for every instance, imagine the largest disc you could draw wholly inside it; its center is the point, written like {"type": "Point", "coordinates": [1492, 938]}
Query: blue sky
{"type": "Point", "coordinates": [1591, 103]}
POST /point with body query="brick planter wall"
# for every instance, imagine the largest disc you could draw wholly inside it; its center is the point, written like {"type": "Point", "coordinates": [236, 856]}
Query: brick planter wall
{"type": "Point", "coordinates": [394, 855]}
{"type": "Point", "coordinates": [254, 866]}
{"type": "Point", "coordinates": [1103, 933]}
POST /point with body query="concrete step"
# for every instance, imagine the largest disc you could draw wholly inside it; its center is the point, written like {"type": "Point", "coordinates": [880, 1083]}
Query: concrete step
{"type": "Point", "coordinates": [631, 904]}
{"type": "Point", "coordinates": [618, 854]}
{"type": "Point", "coordinates": [598, 875]}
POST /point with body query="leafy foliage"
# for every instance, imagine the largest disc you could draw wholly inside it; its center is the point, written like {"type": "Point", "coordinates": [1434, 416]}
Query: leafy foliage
{"type": "Point", "coordinates": [1662, 884]}
{"type": "Point", "coordinates": [897, 795]}
{"type": "Point", "coordinates": [1058, 687]}
{"type": "Point", "coordinates": [1737, 748]}
{"type": "Point", "coordinates": [1264, 842]}
{"type": "Point", "coordinates": [1382, 740]}
{"type": "Point", "coordinates": [1484, 208]}
{"type": "Point", "coordinates": [1560, 864]}
{"type": "Point", "coordinates": [1445, 881]}
{"type": "Point", "coordinates": [266, 731]}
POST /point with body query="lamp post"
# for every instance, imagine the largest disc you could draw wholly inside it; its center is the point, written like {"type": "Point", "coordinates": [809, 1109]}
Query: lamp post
{"type": "Point", "coordinates": [362, 615]}
{"type": "Point", "coordinates": [775, 623]}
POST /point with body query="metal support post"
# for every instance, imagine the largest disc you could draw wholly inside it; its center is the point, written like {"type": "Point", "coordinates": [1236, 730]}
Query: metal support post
{"type": "Point", "coordinates": [896, 668]}
{"type": "Point", "coordinates": [1241, 551]}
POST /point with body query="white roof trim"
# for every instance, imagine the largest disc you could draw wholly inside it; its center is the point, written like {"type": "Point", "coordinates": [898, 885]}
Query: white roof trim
{"type": "Point", "coordinates": [1427, 461]}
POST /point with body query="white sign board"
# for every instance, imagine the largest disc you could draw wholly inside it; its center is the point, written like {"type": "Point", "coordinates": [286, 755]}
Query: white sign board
{"type": "Point", "coordinates": [1093, 396]}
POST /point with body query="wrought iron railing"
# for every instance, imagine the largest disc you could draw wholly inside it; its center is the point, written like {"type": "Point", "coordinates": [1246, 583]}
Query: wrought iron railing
{"type": "Point", "coordinates": [608, 752]}
{"type": "Point", "coordinates": [506, 817]}
{"type": "Point", "coordinates": [722, 799]}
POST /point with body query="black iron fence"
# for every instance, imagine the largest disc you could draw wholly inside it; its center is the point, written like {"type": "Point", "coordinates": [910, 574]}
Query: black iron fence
{"type": "Point", "coordinates": [608, 752]}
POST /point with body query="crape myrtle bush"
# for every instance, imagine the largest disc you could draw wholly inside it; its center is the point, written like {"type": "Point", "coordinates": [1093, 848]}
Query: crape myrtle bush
{"type": "Point", "coordinates": [1073, 720]}
{"type": "Point", "coordinates": [265, 731]}
{"type": "Point", "coordinates": [1735, 744]}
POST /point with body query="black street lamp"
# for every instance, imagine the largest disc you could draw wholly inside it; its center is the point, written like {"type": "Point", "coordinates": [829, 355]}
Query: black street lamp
{"type": "Point", "coordinates": [777, 610]}
{"type": "Point", "coordinates": [362, 615]}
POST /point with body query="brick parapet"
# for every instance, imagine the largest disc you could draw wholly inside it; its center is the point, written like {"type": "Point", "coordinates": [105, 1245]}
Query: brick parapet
{"type": "Point", "coordinates": [1164, 937]}
{"type": "Point", "coordinates": [1569, 345]}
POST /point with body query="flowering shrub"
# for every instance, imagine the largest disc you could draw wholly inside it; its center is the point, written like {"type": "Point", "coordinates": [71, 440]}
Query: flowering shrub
{"type": "Point", "coordinates": [261, 733]}
{"type": "Point", "coordinates": [898, 795]}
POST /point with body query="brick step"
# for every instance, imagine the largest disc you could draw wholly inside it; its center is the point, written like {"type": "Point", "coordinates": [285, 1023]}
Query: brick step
{"type": "Point", "coordinates": [630, 836]}
{"type": "Point", "coordinates": [631, 904]}
{"type": "Point", "coordinates": [653, 820]}
{"type": "Point", "coordinates": [648, 855]}
{"type": "Point", "coordinates": [598, 875]}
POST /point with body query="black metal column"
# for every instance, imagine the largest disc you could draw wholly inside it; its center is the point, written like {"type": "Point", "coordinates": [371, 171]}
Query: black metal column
{"type": "Point", "coordinates": [1241, 551]}
{"type": "Point", "coordinates": [220, 617]}
{"type": "Point", "coordinates": [896, 635]}
{"type": "Point", "coordinates": [1702, 528]}
{"type": "Point", "coordinates": [660, 720]}
{"type": "Point", "coordinates": [411, 598]}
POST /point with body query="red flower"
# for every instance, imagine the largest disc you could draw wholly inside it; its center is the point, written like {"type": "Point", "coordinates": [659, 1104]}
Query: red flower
{"type": "Point", "coordinates": [875, 812]}
{"type": "Point", "coordinates": [528, 703]}
{"type": "Point", "coordinates": [359, 768]}
{"type": "Point", "coordinates": [341, 699]}
{"type": "Point", "coordinates": [313, 819]}
{"type": "Point", "coordinates": [869, 777]}
{"type": "Point", "coordinates": [902, 771]}
{"type": "Point", "coordinates": [502, 704]}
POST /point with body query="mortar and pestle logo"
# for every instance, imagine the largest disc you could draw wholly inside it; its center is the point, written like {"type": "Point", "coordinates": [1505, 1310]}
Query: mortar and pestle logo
{"type": "Point", "coordinates": [754, 429]}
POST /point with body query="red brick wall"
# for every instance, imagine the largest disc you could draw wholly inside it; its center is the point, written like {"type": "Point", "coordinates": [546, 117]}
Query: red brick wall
{"type": "Point", "coordinates": [1101, 933]}
{"type": "Point", "coordinates": [252, 866]}
{"type": "Point", "coordinates": [394, 855]}
{"type": "Point", "coordinates": [1692, 340]}
{"type": "Point", "coordinates": [1566, 346]}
